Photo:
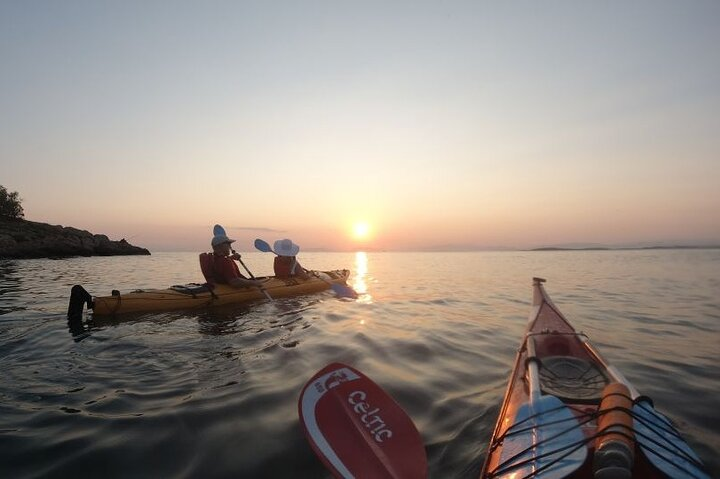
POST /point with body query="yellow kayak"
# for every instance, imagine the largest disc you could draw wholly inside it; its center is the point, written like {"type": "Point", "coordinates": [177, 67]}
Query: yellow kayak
{"type": "Point", "coordinates": [197, 295]}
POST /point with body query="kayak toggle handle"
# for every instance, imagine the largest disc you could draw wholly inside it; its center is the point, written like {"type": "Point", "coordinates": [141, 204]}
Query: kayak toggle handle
{"type": "Point", "coordinates": [78, 299]}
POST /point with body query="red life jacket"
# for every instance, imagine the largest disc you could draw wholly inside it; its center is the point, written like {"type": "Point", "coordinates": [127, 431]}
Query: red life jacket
{"type": "Point", "coordinates": [284, 266]}
{"type": "Point", "coordinates": [218, 269]}
{"type": "Point", "coordinates": [207, 266]}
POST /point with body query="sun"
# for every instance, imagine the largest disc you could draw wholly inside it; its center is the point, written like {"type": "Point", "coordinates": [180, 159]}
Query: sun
{"type": "Point", "coordinates": [361, 230]}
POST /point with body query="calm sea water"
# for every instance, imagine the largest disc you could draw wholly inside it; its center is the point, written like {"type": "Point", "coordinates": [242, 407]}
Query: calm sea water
{"type": "Point", "coordinates": [213, 393]}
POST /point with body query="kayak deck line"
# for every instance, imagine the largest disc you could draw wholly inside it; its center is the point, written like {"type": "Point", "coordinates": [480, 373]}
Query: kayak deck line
{"type": "Point", "coordinates": [194, 295]}
{"type": "Point", "coordinates": [512, 463]}
{"type": "Point", "coordinates": [568, 413]}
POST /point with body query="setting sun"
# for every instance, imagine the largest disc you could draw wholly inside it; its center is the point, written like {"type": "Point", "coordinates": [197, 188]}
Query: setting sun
{"type": "Point", "coordinates": [361, 230]}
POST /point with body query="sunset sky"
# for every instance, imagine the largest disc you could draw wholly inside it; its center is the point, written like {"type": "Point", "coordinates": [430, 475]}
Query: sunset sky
{"type": "Point", "coordinates": [439, 125]}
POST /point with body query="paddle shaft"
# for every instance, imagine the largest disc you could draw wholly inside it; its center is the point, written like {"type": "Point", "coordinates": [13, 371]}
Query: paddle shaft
{"type": "Point", "coordinates": [533, 374]}
{"type": "Point", "coordinates": [267, 295]}
{"type": "Point", "coordinates": [243, 264]}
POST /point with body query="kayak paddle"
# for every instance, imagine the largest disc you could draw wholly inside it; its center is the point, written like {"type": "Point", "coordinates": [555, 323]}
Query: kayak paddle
{"type": "Point", "coordinates": [341, 290]}
{"type": "Point", "coordinates": [545, 434]}
{"type": "Point", "coordinates": [263, 246]}
{"type": "Point", "coordinates": [220, 231]}
{"type": "Point", "coordinates": [357, 429]}
{"type": "Point", "coordinates": [663, 445]}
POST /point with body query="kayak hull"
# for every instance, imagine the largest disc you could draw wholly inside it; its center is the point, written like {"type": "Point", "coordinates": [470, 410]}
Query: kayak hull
{"type": "Point", "coordinates": [555, 364]}
{"type": "Point", "coordinates": [176, 298]}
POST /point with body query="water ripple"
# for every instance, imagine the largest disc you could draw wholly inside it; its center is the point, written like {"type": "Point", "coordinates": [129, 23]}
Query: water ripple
{"type": "Point", "coordinates": [212, 393]}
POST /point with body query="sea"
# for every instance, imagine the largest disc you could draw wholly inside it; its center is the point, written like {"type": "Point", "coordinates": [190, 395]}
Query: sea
{"type": "Point", "coordinates": [212, 392]}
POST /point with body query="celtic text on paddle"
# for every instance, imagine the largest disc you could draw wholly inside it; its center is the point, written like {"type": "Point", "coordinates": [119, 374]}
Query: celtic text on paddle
{"type": "Point", "coordinates": [375, 424]}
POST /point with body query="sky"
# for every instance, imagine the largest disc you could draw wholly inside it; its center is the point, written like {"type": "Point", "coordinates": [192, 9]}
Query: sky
{"type": "Point", "coordinates": [437, 125]}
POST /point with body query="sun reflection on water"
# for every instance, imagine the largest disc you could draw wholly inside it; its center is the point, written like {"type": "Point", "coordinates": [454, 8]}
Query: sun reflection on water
{"type": "Point", "coordinates": [360, 279]}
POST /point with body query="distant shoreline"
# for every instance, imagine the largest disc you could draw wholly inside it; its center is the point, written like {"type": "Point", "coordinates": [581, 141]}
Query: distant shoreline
{"type": "Point", "coordinates": [621, 248]}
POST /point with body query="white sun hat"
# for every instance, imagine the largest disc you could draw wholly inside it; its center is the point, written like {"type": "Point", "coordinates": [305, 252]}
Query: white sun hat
{"type": "Point", "coordinates": [285, 247]}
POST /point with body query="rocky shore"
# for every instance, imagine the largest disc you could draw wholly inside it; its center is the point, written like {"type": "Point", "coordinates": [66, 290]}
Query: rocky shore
{"type": "Point", "coordinates": [28, 239]}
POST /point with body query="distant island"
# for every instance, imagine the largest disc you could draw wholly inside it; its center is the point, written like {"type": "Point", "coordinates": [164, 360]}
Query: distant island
{"type": "Point", "coordinates": [22, 239]}
{"type": "Point", "coordinates": [621, 248]}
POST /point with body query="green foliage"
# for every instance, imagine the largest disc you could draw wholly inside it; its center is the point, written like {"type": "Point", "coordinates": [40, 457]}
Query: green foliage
{"type": "Point", "coordinates": [10, 204]}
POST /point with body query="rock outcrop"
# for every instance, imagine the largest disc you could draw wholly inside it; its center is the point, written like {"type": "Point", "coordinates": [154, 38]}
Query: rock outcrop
{"type": "Point", "coordinates": [28, 239]}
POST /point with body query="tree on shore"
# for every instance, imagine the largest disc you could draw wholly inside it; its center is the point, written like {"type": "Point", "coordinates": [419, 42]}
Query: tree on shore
{"type": "Point", "coordinates": [10, 206]}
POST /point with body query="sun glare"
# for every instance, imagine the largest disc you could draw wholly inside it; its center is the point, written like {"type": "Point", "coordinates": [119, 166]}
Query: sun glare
{"type": "Point", "coordinates": [361, 230]}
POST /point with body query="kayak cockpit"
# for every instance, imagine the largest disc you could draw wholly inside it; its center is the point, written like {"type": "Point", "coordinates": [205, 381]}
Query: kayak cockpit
{"type": "Point", "coordinates": [572, 379]}
{"type": "Point", "coordinates": [566, 369]}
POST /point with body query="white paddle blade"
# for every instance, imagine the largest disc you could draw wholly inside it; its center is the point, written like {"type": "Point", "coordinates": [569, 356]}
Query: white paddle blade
{"type": "Point", "coordinates": [219, 231]}
{"type": "Point", "coordinates": [663, 446]}
{"type": "Point", "coordinates": [547, 439]}
{"type": "Point", "coordinates": [344, 291]}
{"type": "Point", "coordinates": [262, 246]}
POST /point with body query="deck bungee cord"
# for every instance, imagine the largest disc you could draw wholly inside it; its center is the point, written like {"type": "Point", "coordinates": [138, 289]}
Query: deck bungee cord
{"type": "Point", "coordinates": [632, 434]}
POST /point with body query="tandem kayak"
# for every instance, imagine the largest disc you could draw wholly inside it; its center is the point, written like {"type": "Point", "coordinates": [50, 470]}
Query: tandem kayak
{"type": "Point", "coordinates": [197, 295]}
{"type": "Point", "coordinates": [568, 413]}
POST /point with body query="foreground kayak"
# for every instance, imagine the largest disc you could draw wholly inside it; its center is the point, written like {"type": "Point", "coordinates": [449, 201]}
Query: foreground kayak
{"type": "Point", "coordinates": [568, 413]}
{"type": "Point", "coordinates": [197, 296]}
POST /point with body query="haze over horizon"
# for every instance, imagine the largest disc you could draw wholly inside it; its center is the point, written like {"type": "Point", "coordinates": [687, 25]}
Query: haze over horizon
{"type": "Point", "coordinates": [372, 126]}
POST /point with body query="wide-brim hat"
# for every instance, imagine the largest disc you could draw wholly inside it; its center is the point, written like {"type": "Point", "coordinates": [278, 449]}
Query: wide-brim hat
{"type": "Point", "coordinates": [220, 239]}
{"type": "Point", "coordinates": [285, 247]}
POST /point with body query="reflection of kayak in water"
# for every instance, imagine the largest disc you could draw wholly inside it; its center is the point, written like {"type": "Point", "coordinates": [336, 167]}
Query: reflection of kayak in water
{"type": "Point", "coordinates": [197, 295]}
{"type": "Point", "coordinates": [568, 413]}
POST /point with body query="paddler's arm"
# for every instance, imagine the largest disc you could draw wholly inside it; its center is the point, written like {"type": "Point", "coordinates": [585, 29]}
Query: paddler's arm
{"type": "Point", "coordinates": [299, 271]}
{"type": "Point", "coordinates": [231, 275]}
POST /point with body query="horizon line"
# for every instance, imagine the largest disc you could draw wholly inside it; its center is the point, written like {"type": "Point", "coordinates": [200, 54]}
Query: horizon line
{"type": "Point", "coordinates": [478, 250]}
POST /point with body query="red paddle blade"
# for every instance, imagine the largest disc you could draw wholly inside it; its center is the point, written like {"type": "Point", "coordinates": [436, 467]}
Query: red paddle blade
{"type": "Point", "coordinates": [357, 429]}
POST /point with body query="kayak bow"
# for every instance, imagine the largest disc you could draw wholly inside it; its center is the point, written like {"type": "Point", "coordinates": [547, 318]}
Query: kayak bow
{"type": "Point", "coordinates": [568, 413]}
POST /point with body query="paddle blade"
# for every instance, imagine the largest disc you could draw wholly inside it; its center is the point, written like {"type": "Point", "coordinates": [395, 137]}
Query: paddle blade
{"type": "Point", "coordinates": [545, 444]}
{"type": "Point", "coordinates": [662, 444]}
{"type": "Point", "coordinates": [344, 291]}
{"type": "Point", "coordinates": [357, 429]}
{"type": "Point", "coordinates": [262, 246]}
{"type": "Point", "coordinates": [219, 231]}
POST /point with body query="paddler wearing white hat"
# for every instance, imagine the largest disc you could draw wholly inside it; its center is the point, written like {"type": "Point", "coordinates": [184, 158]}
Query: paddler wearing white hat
{"type": "Point", "coordinates": [286, 264]}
